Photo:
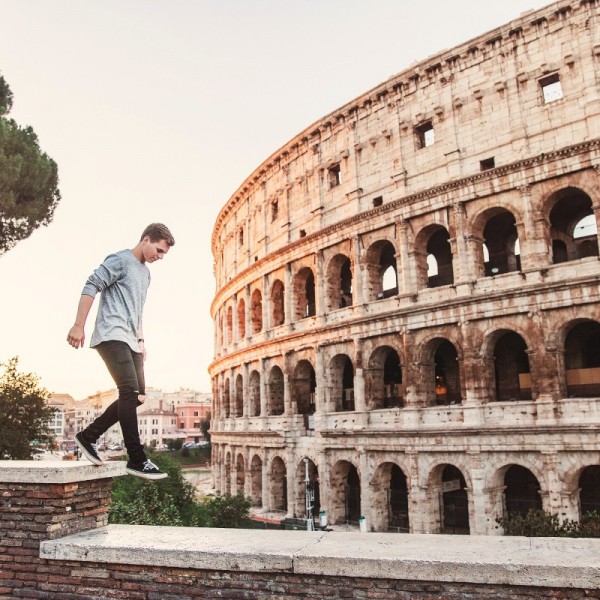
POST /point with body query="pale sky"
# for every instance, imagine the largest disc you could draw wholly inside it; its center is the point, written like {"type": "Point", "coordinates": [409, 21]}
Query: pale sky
{"type": "Point", "coordinates": [157, 110]}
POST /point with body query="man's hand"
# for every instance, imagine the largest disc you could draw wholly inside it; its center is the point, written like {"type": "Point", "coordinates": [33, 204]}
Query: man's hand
{"type": "Point", "coordinates": [143, 349]}
{"type": "Point", "coordinates": [76, 336]}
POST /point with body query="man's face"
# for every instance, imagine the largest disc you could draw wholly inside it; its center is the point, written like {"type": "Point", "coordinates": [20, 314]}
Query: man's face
{"type": "Point", "coordinates": [152, 251]}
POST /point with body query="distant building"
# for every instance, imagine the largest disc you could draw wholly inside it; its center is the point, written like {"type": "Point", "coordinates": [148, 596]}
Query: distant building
{"type": "Point", "coordinates": [163, 416]}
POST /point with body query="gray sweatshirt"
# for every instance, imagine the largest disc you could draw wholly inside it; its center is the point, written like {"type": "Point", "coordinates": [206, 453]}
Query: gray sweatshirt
{"type": "Point", "coordinates": [122, 281]}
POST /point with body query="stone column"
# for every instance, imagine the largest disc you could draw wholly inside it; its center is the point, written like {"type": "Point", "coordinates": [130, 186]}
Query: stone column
{"type": "Point", "coordinates": [264, 388]}
{"type": "Point", "coordinates": [407, 281]}
{"type": "Point", "coordinates": [321, 380]}
{"type": "Point", "coordinates": [461, 258]}
{"type": "Point", "coordinates": [478, 517]}
{"type": "Point", "coordinates": [320, 310]}
{"type": "Point", "coordinates": [365, 486]}
{"type": "Point", "coordinates": [535, 252]}
{"type": "Point", "coordinates": [360, 404]}
{"type": "Point", "coordinates": [357, 277]}
{"type": "Point", "coordinates": [266, 304]}
{"type": "Point", "coordinates": [266, 486]}
{"type": "Point", "coordinates": [290, 480]}
{"type": "Point", "coordinates": [246, 390]}
{"type": "Point", "coordinates": [288, 296]}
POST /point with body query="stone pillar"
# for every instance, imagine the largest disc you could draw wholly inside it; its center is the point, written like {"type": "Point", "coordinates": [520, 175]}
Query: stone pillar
{"type": "Point", "coordinates": [287, 396]}
{"type": "Point", "coordinates": [321, 380]}
{"type": "Point", "coordinates": [552, 497]}
{"type": "Point", "coordinates": [461, 261]}
{"type": "Point", "coordinates": [478, 518]}
{"type": "Point", "coordinates": [535, 252]}
{"type": "Point", "coordinates": [288, 296]}
{"type": "Point", "coordinates": [357, 278]}
{"type": "Point", "coordinates": [266, 304]}
{"type": "Point", "coordinates": [233, 472]}
{"type": "Point", "coordinates": [235, 332]}
{"type": "Point", "coordinates": [246, 390]}
{"type": "Point", "coordinates": [324, 486]}
{"type": "Point", "coordinates": [264, 388]}
{"type": "Point", "coordinates": [365, 486]}
{"type": "Point", "coordinates": [290, 480]}
{"type": "Point", "coordinates": [266, 486]}
{"type": "Point", "coordinates": [320, 309]}
{"type": "Point", "coordinates": [407, 281]}
{"type": "Point", "coordinates": [360, 404]}
{"type": "Point", "coordinates": [248, 311]}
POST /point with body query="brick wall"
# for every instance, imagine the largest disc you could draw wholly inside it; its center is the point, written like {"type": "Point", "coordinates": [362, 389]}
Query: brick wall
{"type": "Point", "coordinates": [60, 513]}
{"type": "Point", "coordinates": [33, 512]}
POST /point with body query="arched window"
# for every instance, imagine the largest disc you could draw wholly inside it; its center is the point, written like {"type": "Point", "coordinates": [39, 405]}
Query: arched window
{"type": "Point", "coordinates": [501, 249]}
{"type": "Point", "coordinates": [256, 311]}
{"type": "Point", "coordinates": [277, 304]}
{"type": "Point", "coordinates": [382, 271]}
{"type": "Point", "coordinates": [572, 226]}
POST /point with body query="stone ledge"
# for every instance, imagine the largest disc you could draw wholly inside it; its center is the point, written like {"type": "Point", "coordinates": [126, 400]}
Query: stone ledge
{"type": "Point", "coordinates": [29, 471]}
{"type": "Point", "coordinates": [542, 562]}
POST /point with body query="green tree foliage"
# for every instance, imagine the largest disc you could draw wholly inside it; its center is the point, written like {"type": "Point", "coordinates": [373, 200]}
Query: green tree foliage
{"type": "Point", "coordinates": [24, 415]}
{"type": "Point", "coordinates": [172, 501]}
{"type": "Point", "coordinates": [229, 511]}
{"type": "Point", "coordinates": [28, 178]}
{"type": "Point", "coordinates": [538, 523]}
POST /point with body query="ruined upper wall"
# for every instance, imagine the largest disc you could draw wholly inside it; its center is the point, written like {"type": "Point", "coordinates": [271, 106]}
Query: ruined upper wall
{"type": "Point", "coordinates": [483, 101]}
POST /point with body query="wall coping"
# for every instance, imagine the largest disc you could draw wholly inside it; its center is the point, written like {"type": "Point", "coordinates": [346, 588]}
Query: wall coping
{"type": "Point", "coordinates": [541, 562]}
{"type": "Point", "coordinates": [28, 471]}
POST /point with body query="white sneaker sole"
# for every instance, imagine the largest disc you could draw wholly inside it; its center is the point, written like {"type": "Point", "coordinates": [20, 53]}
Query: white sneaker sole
{"type": "Point", "coordinates": [152, 476]}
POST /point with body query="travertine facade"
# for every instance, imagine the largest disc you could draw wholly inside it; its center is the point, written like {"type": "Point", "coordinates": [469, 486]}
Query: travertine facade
{"type": "Point", "coordinates": [408, 294]}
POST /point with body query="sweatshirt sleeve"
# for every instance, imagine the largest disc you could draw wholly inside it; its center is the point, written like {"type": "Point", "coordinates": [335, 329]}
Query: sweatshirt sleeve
{"type": "Point", "coordinates": [104, 276]}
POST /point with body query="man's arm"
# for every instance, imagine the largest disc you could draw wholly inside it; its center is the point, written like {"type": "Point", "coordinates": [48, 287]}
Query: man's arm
{"type": "Point", "coordinates": [76, 336]}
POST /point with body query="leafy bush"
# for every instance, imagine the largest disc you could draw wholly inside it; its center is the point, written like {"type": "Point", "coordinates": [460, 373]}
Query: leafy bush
{"type": "Point", "coordinates": [538, 523]}
{"type": "Point", "coordinates": [172, 501]}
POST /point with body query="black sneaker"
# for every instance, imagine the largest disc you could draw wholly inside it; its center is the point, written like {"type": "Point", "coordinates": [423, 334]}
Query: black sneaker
{"type": "Point", "coordinates": [87, 449]}
{"type": "Point", "coordinates": [146, 470]}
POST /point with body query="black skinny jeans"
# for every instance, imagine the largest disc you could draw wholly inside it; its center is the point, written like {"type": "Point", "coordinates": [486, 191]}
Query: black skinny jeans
{"type": "Point", "coordinates": [127, 369]}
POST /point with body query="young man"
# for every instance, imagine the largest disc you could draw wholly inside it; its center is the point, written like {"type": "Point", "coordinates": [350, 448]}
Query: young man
{"type": "Point", "coordinates": [122, 281]}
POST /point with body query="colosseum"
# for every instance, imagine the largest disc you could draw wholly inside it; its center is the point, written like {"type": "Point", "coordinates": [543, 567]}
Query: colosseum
{"type": "Point", "coordinates": [407, 314]}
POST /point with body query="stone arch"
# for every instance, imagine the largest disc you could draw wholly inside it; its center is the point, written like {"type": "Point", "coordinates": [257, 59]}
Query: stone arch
{"type": "Point", "coordinates": [314, 496]}
{"type": "Point", "coordinates": [254, 392]}
{"type": "Point", "coordinates": [582, 358]}
{"type": "Point", "coordinates": [522, 491]}
{"type": "Point", "coordinates": [570, 238]}
{"type": "Point", "coordinates": [277, 303]}
{"type": "Point", "coordinates": [344, 492]}
{"type": "Point", "coordinates": [500, 248]}
{"type": "Point", "coordinates": [390, 499]}
{"type": "Point", "coordinates": [239, 396]}
{"type": "Point", "coordinates": [340, 376]}
{"type": "Point", "coordinates": [256, 467]}
{"type": "Point", "coordinates": [303, 388]}
{"type": "Point", "coordinates": [434, 257]}
{"type": "Point", "coordinates": [384, 387]}
{"type": "Point", "coordinates": [512, 374]}
{"type": "Point", "coordinates": [278, 485]}
{"type": "Point", "coordinates": [380, 260]}
{"type": "Point", "coordinates": [275, 404]}
{"type": "Point", "coordinates": [256, 311]}
{"type": "Point", "coordinates": [589, 490]}
{"type": "Point", "coordinates": [304, 294]}
{"type": "Point", "coordinates": [241, 318]}
{"type": "Point", "coordinates": [338, 282]}
{"type": "Point", "coordinates": [448, 500]}
{"type": "Point", "coordinates": [441, 372]}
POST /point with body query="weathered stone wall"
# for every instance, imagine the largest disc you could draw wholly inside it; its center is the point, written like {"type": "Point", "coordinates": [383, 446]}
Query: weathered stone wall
{"type": "Point", "coordinates": [415, 280]}
{"type": "Point", "coordinates": [40, 504]}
